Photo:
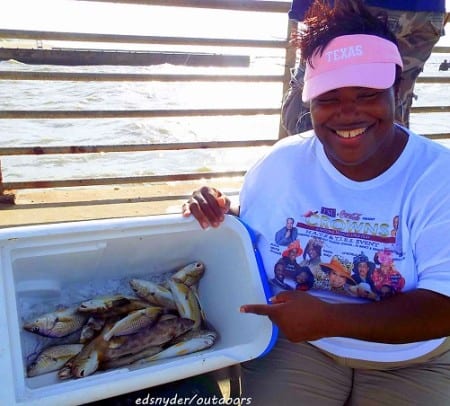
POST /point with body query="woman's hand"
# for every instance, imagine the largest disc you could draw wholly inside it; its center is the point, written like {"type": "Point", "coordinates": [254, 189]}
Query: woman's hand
{"type": "Point", "coordinates": [298, 315]}
{"type": "Point", "coordinates": [208, 205]}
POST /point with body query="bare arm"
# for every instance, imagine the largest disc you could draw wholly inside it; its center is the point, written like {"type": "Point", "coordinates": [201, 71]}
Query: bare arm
{"type": "Point", "coordinates": [407, 317]}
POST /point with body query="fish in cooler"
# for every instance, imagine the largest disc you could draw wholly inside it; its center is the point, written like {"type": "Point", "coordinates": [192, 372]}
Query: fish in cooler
{"type": "Point", "coordinates": [56, 324]}
{"type": "Point", "coordinates": [186, 302]}
{"type": "Point", "coordinates": [135, 321]}
{"type": "Point", "coordinates": [163, 320]}
{"type": "Point", "coordinates": [52, 358]}
{"type": "Point", "coordinates": [190, 274]}
{"type": "Point", "coordinates": [153, 293]}
{"type": "Point", "coordinates": [91, 329]}
{"type": "Point", "coordinates": [192, 341]}
{"type": "Point", "coordinates": [100, 350]}
{"type": "Point", "coordinates": [102, 304]}
{"type": "Point", "coordinates": [111, 306]}
{"type": "Point", "coordinates": [129, 359]}
{"type": "Point", "coordinates": [166, 329]}
{"type": "Point", "coordinates": [87, 361]}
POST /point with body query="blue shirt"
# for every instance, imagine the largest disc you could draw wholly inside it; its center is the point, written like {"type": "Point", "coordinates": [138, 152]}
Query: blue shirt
{"type": "Point", "coordinates": [408, 5]}
{"type": "Point", "coordinates": [299, 7]}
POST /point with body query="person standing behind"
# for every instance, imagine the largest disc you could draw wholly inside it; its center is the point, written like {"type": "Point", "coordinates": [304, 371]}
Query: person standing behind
{"type": "Point", "coordinates": [417, 25]}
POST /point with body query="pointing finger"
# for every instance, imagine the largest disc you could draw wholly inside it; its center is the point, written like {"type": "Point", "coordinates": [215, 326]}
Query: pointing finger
{"type": "Point", "coordinates": [261, 309]}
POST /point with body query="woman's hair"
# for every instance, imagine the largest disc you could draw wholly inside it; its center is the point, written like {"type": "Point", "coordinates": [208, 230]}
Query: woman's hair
{"type": "Point", "coordinates": [324, 22]}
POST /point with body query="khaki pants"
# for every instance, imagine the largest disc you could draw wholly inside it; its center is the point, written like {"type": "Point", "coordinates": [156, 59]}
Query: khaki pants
{"type": "Point", "coordinates": [300, 374]}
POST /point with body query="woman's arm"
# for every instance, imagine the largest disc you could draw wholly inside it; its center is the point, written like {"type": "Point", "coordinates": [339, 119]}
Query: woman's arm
{"type": "Point", "coordinates": [405, 317]}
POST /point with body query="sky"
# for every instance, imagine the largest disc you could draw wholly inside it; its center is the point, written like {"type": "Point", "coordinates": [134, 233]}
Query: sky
{"type": "Point", "coordinates": [73, 16]}
{"type": "Point", "coordinates": [66, 15]}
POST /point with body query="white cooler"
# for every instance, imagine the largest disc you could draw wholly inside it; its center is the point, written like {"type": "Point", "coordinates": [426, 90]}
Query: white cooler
{"type": "Point", "coordinates": [43, 267]}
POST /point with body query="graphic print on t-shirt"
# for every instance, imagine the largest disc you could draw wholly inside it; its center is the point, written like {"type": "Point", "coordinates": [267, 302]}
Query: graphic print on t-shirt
{"type": "Point", "coordinates": [338, 251]}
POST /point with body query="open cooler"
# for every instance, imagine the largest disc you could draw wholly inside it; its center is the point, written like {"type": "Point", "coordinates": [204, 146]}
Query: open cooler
{"type": "Point", "coordinates": [48, 267]}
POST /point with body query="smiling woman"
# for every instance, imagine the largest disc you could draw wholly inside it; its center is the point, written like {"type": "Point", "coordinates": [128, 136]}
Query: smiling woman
{"type": "Point", "coordinates": [298, 181]}
{"type": "Point", "coordinates": [344, 182]}
{"type": "Point", "coordinates": [358, 105]}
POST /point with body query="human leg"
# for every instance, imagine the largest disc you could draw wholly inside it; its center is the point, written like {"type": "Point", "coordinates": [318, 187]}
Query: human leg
{"type": "Point", "coordinates": [417, 33]}
{"type": "Point", "coordinates": [295, 116]}
{"type": "Point", "coordinates": [427, 383]}
{"type": "Point", "coordinates": [295, 374]}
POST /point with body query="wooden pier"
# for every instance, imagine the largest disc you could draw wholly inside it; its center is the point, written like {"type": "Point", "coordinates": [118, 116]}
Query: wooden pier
{"type": "Point", "coordinates": [45, 201]}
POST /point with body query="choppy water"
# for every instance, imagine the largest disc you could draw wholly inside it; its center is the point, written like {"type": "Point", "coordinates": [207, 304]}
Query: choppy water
{"type": "Point", "coordinates": [40, 95]}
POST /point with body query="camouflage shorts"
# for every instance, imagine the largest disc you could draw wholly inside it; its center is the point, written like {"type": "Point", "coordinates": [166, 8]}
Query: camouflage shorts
{"type": "Point", "coordinates": [417, 34]}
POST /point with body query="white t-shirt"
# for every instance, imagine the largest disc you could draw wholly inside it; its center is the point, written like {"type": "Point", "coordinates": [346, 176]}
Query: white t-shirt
{"type": "Point", "coordinates": [358, 241]}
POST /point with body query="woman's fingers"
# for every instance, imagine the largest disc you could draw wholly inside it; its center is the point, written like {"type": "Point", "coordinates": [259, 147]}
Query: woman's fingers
{"type": "Point", "coordinates": [208, 205]}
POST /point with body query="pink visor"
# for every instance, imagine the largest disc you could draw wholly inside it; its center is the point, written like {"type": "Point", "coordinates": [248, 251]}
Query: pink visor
{"type": "Point", "coordinates": [358, 60]}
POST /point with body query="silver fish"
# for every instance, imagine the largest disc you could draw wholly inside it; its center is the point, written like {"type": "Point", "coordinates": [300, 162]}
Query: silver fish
{"type": "Point", "coordinates": [192, 341]}
{"type": "Point", "coordinates": [123, 309]}
{"type": "Point", "coordinates": [153, 293]}
{"type": "Point", "coordinates": [189, 274]}
{"type": "Point", "coordinates": [129, 359]}
{"type": "Point", "coordinates": [186, 302]}
{"type": "Point", "coordinates": [165, 330]}
{"type": "Point", "coordinates": [65, 372]}
{"type": "Point", "coordinates": [102, 303]}
{"type": "Point", "coordinates": [91, 329]}
{"type": "Point", "coordinates": [135, 321]}
{"type": "Point", "coordinates": [168, 316]}
{"type": "Point", "coordinates": [87, 363]}
{"type": "Point", "coordinates": [53, 358]}
{"type": "Point", "coordinates": [89, 358]}
{"type": "Point", "coordinates": [107, 307]}
{"type": "Point", "coordinates": [59, 323]}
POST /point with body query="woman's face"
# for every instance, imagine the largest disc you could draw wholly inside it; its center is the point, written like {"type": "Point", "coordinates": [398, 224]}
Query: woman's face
{"type": "Point", "coordinates": [355, 126]}
{"type": "Point", "coordinates": [363, 269]}
{"type": "Point", "coordinates": [313, 252]}
{"type": "Point", "coordinates": [336, 280]}
{"type": "Point", "coordinates": [293, 254]}
{"type": "Point", "coordinates": [279, 272]}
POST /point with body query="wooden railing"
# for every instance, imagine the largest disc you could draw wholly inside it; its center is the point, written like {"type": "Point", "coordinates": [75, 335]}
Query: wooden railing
{"type": "Point", "coordinates": [283, 79]}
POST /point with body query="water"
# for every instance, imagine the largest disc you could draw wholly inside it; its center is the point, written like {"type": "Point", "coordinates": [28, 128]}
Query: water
{"type": "Point", "coordinates": [41, 95]}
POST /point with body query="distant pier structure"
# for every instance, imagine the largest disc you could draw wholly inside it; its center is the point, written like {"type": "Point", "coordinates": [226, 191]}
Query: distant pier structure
{"type": "Point", "coordinates": [73, 57]}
